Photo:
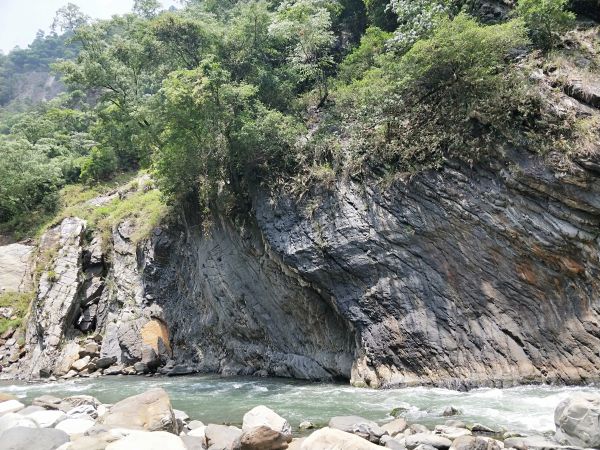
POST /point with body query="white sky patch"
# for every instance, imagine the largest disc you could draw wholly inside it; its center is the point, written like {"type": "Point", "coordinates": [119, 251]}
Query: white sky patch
{"type": "Point", "coordinates": [21, 19]}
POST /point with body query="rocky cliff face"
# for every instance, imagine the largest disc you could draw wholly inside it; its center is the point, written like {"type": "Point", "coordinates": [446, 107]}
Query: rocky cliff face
{"type": "Point", "coordinates": [462, 277]}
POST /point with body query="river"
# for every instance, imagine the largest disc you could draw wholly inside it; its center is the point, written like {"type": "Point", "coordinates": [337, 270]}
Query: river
{"type": "Point", "coordinates": [225, 400]}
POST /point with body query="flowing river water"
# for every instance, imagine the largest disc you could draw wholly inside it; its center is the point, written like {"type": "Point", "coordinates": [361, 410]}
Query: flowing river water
{"type": "Point", "coordinates": [225, 400]}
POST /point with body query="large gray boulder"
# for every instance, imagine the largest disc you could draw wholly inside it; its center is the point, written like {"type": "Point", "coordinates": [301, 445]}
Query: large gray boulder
{"type": "Point", "coordinates": [149, 411]}
{"type": "Point", "coordinates": [577, 420]}
{"type": "Point", "coordinates": [222, 437]}
{"type": "Point", "coordinates": [476, 443]}
{"type": "Point", "coordinates": [13, 420]}
{"type": "Point", "coordinates": [158, 440]}
{"type": "Point", "coordinates": [264, 438]}
{"type": "Point", "coordinates": [263, 416]}
{"type": "Point", "coordinates": [439, 442]}
{"type": "Point", "coordinates": [333, 439]}
{"type": "Point", "coordinates": [360, 426]}
{"type": "Point", "coordinates": [23, 438]}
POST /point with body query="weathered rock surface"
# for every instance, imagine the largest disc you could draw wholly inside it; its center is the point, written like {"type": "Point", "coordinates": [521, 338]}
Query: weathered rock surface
{"type": "Point", "coordinates": [468, 276]}
{"type": "Point", "coordinates": [264, 438]}
{"type": "Point", "coordinates": [360, 426]}
{"type": "Point", "coordinates": [15, 262]}
{"type": "Point", "coordinates": [222, 437]}
{"type": "Point", "coordinates": [577, 420]}
{"type": "Point", "coordinates": [149, 411]}
{"type": "Point", "coordinates": [20, 438]}
{"type": "Point", "coordinates": [333, 439]}
{"type": "Point", "coordinates": [158, 440]}
{"type": "Point", "coordinates": [263, 416]}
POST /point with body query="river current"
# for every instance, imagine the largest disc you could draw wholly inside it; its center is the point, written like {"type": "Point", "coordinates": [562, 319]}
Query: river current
{"type": "Point", "coordinates": [225, 400]}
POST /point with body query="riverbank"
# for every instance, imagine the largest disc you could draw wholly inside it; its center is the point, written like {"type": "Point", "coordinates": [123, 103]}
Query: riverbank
{"type": "Point", "coordinates": [523, 413]}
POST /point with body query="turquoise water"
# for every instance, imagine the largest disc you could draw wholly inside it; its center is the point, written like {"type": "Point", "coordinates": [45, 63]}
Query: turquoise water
{"type": "Point", "coordinates": [225, 400]}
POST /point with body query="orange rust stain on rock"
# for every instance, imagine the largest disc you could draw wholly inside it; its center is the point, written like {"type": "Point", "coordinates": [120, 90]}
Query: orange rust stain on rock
{"type": "Point", "coordinates": [526, 273]}
{"type": "Point", "coordinates": [152, 332]}
{"type": "Point", "coordinates": [572, 266]}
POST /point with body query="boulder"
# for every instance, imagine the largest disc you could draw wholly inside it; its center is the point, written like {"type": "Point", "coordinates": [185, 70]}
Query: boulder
{"type": "Point", "coordinates": [13, 420]}
{"type": "Point", "coordinates": [75, 426]}
{"type": "Point", "coordinates": [360, 426]}
{"type": "Point", "coordinates": [395, 427]}
{"type": "Point", "coordinates": [148, 411]}
{"type": "Point", "coordinates": [195, 424]}
{"type": "Point", "coordinates": [193, 443]}
{"type": "Point", "coordinates": [263, 416]}
{"type": "Point", "coordinates": [222, 437]}
{"type": "Point", "coordinates": [306, 425]}
{"type": "Point", "coordinates": [47, 418]}
{"type": "Point", "coordinates": [11, 406]}
{"type": "Point", "coordinates": [106, 362]}
{"type": "Point", "coordinates": [479, 428]}
{"type": "Point", "coordinates": [22, 438]}
{"type": "Point", "coordinates": [83, 412]}
{"type": "Point", "coordinates": [389, 442]}
{"type": "Point", "coordinates": [333, 439]}
{"type": "Point", "coordinates": [31, 409]}
{"type": "Point", "coordinates": [475, 443]}
{"type": "Point", "coordinates": [199, 432]}
{"type": "Point", "coordinates": [577, 420]}
{"type": "Point", "coordinates": [157, 440]}
{"type": "Point", "coordinates": [264, 438]}
{"type": "Point", "coordinates": [81, 364]}
{"type": "Point", "coordinates": [439, 442]}
{"type": "Point", "coordinates": [451, 411]}
{"type": "Point", "coordinates": [451, 432]}
{"type": "Point", "coordinates": [47, 401]}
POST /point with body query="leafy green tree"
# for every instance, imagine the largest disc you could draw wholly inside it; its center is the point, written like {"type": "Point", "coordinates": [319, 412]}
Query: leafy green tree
{"type": "Point", "coordinates": [69, 18]}
{"type": "Point", "coordinates": [545, 19]}
{"type": "Point", "coordinates": [30, 180]}
{"type": "Point", "coordinates": [363, 57]}
{"type": "Point", "coordinates": [307, 27]}
{"type": "Point", "coordinates": [448, 95]}
{"type": "Point", "coordinates": [101, 164]}
{"type": "Point", "coordinates": [381, 15]}
{"type": "Point", "coordinates": [186, 38]}
{"type": "Point", "coordinates": [146, 8]}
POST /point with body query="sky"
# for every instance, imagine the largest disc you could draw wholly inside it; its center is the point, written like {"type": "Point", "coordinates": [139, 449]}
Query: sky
{"type": "Point", "coordinates": [21, 19]}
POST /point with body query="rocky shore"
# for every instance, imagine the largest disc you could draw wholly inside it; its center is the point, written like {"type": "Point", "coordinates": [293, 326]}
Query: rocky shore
{"type": "Point", "coordinates": [148, 422]}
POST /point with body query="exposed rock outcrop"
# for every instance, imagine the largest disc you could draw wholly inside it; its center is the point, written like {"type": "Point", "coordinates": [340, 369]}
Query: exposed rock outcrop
{"type": "Point", "coordinates": [467, 276]}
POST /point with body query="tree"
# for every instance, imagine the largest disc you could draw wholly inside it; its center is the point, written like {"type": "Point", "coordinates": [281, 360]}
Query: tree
{"type": "Point", "coordinates": [30, 180]}
{"type": "Point", "coordinates": [417, 19]}
{"type": "Point", "coordinates": [69, 18]}
{"type": "Point", "coordinates": [381, 15]}
{"type": "Point", "coordinates": [186, 39]}
{"type": "Point", "coordinates": [307, 27]}
{"type": "Point", "coordinates": [451, 94]}
{"type": "Point", "coordinates": [146, 8]}
{"type": "Point", "coordinates": [545, 19]}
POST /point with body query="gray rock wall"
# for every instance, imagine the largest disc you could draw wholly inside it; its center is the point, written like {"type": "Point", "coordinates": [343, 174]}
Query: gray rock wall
{"type": "Point", "coordinates": [462, 277]}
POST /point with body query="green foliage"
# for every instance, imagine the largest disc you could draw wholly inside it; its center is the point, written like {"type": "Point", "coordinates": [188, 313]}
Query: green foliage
{"type": "Point", "coordinates": [146, 8]}
{"type": "Point", "coordinates": [101, 164]}
{"type": "Point", "coordinates": [445, 96]}
{"type": "Point", "coordinates": [19, 302]}
{"type": "Point", "coordinates": [363, 57]}
{"type": "Point", "coordinates": [545, 20]}
{"type": "Point", "coordinates": [381, 15]}
{"type": "Point", "coordinates": [306, 25]}
{"type": "Point", "coordinates": [30, 180]}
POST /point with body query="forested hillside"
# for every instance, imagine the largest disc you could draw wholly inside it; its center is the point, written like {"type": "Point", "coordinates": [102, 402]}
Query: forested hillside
{"type": "Point", "coordinates": [219, 97]}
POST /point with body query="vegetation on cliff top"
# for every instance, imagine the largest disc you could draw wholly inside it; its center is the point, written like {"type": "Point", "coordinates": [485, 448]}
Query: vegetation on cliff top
{"type": "Point", "coordinates": [218, 97]}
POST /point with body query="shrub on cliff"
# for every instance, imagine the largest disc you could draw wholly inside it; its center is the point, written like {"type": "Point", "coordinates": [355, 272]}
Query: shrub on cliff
{"type": "Point", "coordinates": [545, 20]}
{"type": "Point", "coordinates": [446, 95]}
